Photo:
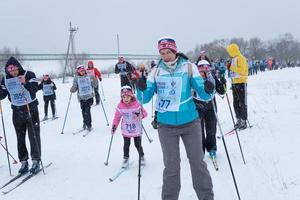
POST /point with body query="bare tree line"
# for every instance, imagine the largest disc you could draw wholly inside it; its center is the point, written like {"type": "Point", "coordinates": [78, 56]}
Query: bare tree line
{"type": "Point", "coordinates": [285, 48]}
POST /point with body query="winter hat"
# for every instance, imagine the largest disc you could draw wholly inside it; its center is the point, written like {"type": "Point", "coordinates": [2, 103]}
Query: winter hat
{"type": "Point", "coordinates": [203, 66]}
{"type": "Point", "coordinates": [80, 68]}
{"type": "Point", "coordinates": [167, 43]}
{"type": "Point", "coordinates": [126, 90]}
{"type": "Point", "coordinates": [90, 64]}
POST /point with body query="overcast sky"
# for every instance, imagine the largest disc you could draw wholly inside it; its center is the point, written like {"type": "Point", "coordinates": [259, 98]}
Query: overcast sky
{"type": "Point", "coordinates": [41, 26]}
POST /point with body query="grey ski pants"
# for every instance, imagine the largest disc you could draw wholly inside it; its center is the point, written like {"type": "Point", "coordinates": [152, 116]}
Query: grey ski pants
{"type": "Point", "coordinates": [190, 134]}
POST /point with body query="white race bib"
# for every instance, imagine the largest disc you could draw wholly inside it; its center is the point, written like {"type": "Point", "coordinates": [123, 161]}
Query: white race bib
{"type": "Point", "coordinates": [122, 68]}
{"type": "Point", "coordinates": [90, 72]}
{"type": "Point", "coordinates": [47, 90]}
{"type": "Point", "coordinates": [168, 93]}
{"type": "Point", "coordinates": [18, 94]}
{"type": "Point", "coordinates": [234, 63]}
{"type": "Point", "coordinates": [84, 86]}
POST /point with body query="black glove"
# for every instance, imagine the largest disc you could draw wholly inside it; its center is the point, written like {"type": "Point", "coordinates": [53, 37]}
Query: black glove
{"type": "Point", "coordinates": [100, 79]}
{"type": "Point", "coordinates": [137, 113]}
{"type": "Point", "coordinates": [113, 129]}
{"type": "Point", "coordinates": [141, 84]}
{"type": "Point", "coordinates": [209, 87]}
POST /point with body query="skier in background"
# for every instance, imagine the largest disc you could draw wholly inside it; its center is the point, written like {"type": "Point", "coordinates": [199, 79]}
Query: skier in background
{"type": "Point", "coordinates": [206, 109]}
{"type": "Point", "coordinates": [48, 87]}
{"type": "Point", "coordinates": [124, 68]}
{"type": "Point", "coordinates": [239, 74]}
{"type": "Point", "coordinates": [94, 72]}
{"type": "Point", "coordinates": [84, 85]}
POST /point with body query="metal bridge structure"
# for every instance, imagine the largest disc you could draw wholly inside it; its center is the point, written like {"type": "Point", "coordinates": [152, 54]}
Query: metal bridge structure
{"type": "Point", "coordinates": [49, 57]}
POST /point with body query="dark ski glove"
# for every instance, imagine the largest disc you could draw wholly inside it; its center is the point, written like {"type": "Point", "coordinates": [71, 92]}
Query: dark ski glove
{"type": "Point", "coordinates": [113, 129]}
{"type": "Point", "coordinates": [209, 87]}
{"type": "Point", "coordinates": [141, 84]}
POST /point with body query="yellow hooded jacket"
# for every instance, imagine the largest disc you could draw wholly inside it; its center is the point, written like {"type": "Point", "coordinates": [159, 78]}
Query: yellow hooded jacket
{"type": "Point", "coordinates": [239, 65]}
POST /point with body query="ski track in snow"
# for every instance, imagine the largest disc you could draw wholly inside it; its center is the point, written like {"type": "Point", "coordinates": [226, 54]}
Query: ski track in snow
{"type": "Point", "coordinates": [78, 172]}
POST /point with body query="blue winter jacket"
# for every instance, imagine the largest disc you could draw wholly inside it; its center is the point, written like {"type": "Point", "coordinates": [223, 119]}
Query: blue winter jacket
{"type": "Point", "coordinates": [187, 110]}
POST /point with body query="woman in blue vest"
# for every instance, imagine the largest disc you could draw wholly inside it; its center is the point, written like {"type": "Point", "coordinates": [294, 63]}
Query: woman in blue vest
{"type": "Point", "coordinates": [177, 117]}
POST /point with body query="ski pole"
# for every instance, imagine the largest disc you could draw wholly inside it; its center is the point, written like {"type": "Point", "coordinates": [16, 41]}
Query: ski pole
{"type": "Point", "coordinates": [233, 121]}
{"type": "Point", "coordinates": [111, 139]}
{"type": "Point", "coordinates": [140, 146]}
{"type": "Point", "coordinates": [62, 131]}
{"type": "Point", "coordinates": [107, 124]}
{"type": "Point", "coordinates": [228, 158]}
{"type": "Point", "coordinates": [102, 90]}
{"type": "Point", "coordinates": [15, 161]}
{"type": "Point", "coordinates": [235, 129]}
{"type": "Point", "coordinates": [5, 139]}
{"type": "Point", "coordinates": [152, 113]}
{"type": "Point", "coordinates": [149, 139]}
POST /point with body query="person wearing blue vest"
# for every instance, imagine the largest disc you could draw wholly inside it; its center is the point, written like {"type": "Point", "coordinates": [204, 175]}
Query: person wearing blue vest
{"type": "Point", "coordinates": [177, 117]}
{"type": "Point", "coordinates": [21, 86]}
{"type": "Point", "coordinates": [48, 87]}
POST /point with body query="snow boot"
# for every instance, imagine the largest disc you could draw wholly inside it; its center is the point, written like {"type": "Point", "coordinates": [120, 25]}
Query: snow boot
{"type": "Point", "coordinates": [54, 117]}
{"type": "Point", "coordinates": [45, 118]}
{"type": "Point", "coordinates": [84, 126]}
{"type": "Point", "coordinates": [125, 163]}
{"type": "Point", "coordinates": [35, 167]}
{"type": "Point", "coordinates": [212, 153]}
{"type": "Point", "coordinates": [237, 124]}
{"type": "Point", "coordinates": [89, 128]}
{"type": "Point", "coordinates": [243, 125]}
{"type": "Point", "coordinates": [24, 167]}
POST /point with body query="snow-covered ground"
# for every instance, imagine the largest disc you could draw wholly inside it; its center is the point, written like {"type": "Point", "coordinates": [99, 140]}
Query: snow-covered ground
{"type": "Point", "coordinates": [270, 148]}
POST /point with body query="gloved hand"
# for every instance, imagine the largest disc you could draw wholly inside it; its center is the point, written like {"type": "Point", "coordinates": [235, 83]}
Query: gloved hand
{"type": "Point", "coordinates": [100, 79]}
{"type": "Point", "coordinates": [137, 113]}
{"type": "Point", "coordinates": [72, 90]}
{"type": "Point", "coordinates": [209, 87]}
{"type": "Point", "coordinates": [22, 79]}
{"type": "Point", "coordinates": [141, 84]}
{"type": "Point", "coordinates": [113, 129]}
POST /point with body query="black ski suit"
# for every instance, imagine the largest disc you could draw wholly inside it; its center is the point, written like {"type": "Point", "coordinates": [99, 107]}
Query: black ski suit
{"type": "Point", "coordinates": [208, 118]}
{"type": "Point", "coordinates": [48, 97]}
{"type": "Point", "coordinates": [21, 97]}
{"type": "Point", "coordinates": [125, 70]}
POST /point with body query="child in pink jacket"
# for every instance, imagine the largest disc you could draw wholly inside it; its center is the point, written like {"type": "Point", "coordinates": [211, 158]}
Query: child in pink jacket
{"type": "Point", "coordinates": [129, 110]}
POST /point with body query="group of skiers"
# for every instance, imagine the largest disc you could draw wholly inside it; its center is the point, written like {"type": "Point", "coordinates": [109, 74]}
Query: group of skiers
{"type": "Point", "coordinates": [185, 108]}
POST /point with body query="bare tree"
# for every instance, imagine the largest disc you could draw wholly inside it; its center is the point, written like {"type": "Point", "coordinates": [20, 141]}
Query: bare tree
{"type": "Point", "coordinates": [6, 53]}
{"type": "Point", "coordinates": [256, 49]}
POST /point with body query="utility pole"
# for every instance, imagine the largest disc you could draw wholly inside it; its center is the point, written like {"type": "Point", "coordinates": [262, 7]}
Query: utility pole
{"type": "Point", "coordinates": [118, 45]}
{"type": "Point", "coordinates": [73, 31]}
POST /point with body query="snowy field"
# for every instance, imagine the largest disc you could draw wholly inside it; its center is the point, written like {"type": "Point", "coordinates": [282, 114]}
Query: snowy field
{"type": "Point", "coordinates": [78, 173]}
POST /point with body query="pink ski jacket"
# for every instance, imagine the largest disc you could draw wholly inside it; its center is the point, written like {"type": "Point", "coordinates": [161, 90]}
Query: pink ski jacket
{"type": "Point", "coordinates": [131, 118]}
